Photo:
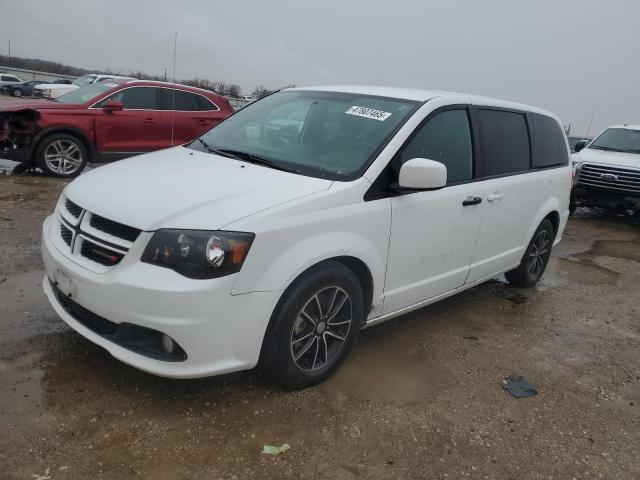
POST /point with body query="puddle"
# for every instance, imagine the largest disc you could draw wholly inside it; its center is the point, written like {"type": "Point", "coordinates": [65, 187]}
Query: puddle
{"type": "Point", "coordinates": [586, 273]}
{"type": "Point", "coordinates": [509, 293]}
{"type": "Point", "coordinates": [618, 249]}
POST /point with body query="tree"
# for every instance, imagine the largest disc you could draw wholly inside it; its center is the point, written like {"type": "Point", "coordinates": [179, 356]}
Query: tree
{"type": "Point", "coordinates": [260, 91]}
{"type": "Point", "coordinates": [234, 91]}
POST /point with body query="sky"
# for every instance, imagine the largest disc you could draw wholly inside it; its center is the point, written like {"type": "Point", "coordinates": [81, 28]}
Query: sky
{"type": "Point", "coordinates": [573, 57]}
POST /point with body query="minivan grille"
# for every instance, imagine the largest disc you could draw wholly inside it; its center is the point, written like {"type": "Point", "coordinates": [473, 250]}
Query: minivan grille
{"type": "Point", "coordinates": [100, 254]}
{"type": "Point", "coordinates": [114, 228]}
{"type": "Point", "coordinates": [72, 208]}
{"type": "Point", "coordinates": [66, 234]}
{"type": "Point", "coordinates": [100, 242]}
{"type": "Point", "coordinates": [607, 177]}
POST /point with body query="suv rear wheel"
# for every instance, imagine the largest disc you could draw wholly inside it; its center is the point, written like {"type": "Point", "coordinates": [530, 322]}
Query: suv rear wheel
{"type": "Point", "coordinates": [535, 258]}
{"type": "Point", "coordinates": [314, 327]}
{"type": "Point", "coordinates": [61, 155]}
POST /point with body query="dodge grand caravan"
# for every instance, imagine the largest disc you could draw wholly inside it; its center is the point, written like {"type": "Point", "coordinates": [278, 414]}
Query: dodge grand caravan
{"type": "Point", "coordinates": [275, 237]}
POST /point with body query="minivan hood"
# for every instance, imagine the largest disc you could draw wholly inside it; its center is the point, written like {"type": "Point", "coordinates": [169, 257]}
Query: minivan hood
{"type": "Point", "coordinates": [621, 159]}
{"type": "Point", "coordinates": [183, 188]}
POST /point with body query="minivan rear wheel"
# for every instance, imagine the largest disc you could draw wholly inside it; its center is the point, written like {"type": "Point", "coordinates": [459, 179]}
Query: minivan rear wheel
{"type": "Point", "coordinates": [535, 258]}
{"type": "Point", "coordinates": [314, 327]}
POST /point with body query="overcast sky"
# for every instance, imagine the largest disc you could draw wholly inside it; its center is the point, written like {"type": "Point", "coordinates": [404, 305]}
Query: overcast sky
{"type": "Point", "coordinates": [569, 56]}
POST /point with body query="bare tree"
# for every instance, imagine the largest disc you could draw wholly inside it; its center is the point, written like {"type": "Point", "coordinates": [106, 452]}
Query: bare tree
{"type": "Point", "coordinates": [234, 91]}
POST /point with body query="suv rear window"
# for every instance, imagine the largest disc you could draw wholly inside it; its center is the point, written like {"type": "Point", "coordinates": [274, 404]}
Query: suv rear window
{"type": "Point", "coordinates": [504, 143]}
{"type": "Point", "coordinates": [548, 142]}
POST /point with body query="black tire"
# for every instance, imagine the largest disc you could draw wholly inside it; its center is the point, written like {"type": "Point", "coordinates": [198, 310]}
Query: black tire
{"type": "Point", "coordinates": [21, 169]}
{"type": "Point", "coordinates": [290, 330]}
{"type": "Point", "coordinates": [573, 204]}
{"type": "Point", "coordinates": [533, 263]}
{"type": "Point", "coordinates": [69, 166]}
{"type": "Point", "coordinates": [17, 92]}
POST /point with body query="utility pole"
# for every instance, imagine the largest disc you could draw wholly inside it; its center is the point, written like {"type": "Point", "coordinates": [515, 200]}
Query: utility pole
{"type": "Point", "coordinates": [9, 52]}
{"type": "Point", "coordinates": [591, 121]}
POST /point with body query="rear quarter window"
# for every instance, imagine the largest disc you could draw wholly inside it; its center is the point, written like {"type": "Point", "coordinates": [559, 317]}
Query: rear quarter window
{"type": "Point", "coordinates": [504, 143]}
{"type": "Point", "coordinates": [548, 142]}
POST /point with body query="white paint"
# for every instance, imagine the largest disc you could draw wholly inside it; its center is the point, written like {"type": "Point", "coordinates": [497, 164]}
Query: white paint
{"type": "Point", "coordinates": [419, 247]}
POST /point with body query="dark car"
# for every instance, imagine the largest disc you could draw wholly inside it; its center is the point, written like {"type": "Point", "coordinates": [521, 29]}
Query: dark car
{"type": "Point", "coordinates": [22, 89]}
{"type": "Point", "coordinates": [106, 121]}
{"type": "Point", "coordinates": [62, 81]}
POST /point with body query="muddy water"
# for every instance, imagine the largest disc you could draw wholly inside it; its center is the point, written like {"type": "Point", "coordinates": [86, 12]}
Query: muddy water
{"type": "Point", "coordinates": [420, 397]}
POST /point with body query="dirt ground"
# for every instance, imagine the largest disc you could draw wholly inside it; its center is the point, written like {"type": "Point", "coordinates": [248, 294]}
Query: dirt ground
{"type": "Point", "coordinates": [419, 397]}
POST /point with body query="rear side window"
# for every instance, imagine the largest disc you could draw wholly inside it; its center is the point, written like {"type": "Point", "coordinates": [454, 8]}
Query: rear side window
{"type": "Point", "coordinates": [547, 139]}
{"type": "Point", "coordinates": [180, 100]}
{"type": "Point", "coordinates": [205, 103]}
{"type": "Point", "coordinates": [445, 138]}
{"type": "Point", "coordinates": [504, 143]}
{"type": "Point", "coordinates": [9, 78]}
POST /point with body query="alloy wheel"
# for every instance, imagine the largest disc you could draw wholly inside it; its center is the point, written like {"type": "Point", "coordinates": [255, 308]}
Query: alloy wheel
{"type": "Point", "coordinates": [538, 254]}
{"type": "Point", "coordinates": [321, 328]}
{"type": "Point", "coordinates": [63, 156]}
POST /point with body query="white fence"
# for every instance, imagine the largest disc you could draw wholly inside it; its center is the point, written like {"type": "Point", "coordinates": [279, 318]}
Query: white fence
{"type": "Point", "coordinates": [34, 74]}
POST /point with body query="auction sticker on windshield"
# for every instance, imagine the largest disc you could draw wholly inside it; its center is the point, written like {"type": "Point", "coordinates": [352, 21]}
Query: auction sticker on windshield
{"type": "Point", "coordinates": [368, 113]}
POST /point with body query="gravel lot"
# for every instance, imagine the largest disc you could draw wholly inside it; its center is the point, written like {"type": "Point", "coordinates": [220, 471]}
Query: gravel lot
{"type": "Point", "coordinates": [420, 397]}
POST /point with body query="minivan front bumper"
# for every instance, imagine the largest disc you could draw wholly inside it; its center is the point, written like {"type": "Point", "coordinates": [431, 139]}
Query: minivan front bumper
{"type": "Point", "coordinates": [218, 332]}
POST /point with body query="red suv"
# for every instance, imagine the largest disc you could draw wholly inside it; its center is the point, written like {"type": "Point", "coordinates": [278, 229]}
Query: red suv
{"type": "Point", "coordinates": [106, 121]}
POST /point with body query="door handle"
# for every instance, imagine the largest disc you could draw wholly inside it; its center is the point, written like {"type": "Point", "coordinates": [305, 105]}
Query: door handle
{"type": "Point", "coordinates": [202, 123]}
{"type": "Point", "coordinates": [495, 197]}
{"type": "Point", "coordinates": [471, 201]}
{"type": "Point", "coordinates": [150, 120]}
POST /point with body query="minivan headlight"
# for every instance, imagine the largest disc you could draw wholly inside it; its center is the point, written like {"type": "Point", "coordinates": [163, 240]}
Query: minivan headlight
{"type": "Point", "coordinates": [198, 254]}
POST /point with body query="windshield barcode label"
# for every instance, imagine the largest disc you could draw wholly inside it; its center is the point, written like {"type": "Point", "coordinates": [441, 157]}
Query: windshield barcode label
{"type": "Point", "coordinates": [368, 113]}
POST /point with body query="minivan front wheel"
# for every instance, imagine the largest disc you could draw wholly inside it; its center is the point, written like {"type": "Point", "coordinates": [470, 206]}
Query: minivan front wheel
{"type": "Point", "coordinates": [314, 327]}
{"type": "Point", "coordinates": [535, 258]}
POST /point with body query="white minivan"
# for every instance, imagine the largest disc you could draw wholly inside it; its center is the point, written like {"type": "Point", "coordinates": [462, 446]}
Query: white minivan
{"type": "Point", "coordinates": [302, 218]}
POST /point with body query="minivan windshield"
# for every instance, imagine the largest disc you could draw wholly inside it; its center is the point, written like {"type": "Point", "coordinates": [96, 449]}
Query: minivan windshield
{"type": "Point", "coordinates": [84, 94]}
{"type": "Point", "coordinates": [84, 80]}
{"type": "Point", "coordinates": [618, 140]}
{"type": "Point", "coordinates": [323, 134]}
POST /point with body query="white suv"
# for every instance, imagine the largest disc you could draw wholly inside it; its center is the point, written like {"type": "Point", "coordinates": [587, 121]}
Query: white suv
{"type": "Point", "coordinates": [271, 242]}
{"type": "Point", "coordinates": [608, 170]}
{"type": "Point", "coordinates": [54, 90]}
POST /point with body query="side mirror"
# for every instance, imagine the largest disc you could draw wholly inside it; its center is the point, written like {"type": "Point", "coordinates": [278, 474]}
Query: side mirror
{"type": "Point", "coordinates": [422, 174]}
{"type": "Point", "coordinates": [579, 146]}
{"type": "Point", "coordinates": [112, 106]}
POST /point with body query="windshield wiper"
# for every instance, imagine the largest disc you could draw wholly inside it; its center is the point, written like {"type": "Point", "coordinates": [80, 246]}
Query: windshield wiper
{"type": "Point", "coordinates": [257, 159]}
{"type": "Point", "coordinates": [210, 149]}
{"type": "Point", "coordinates": [608, 149]}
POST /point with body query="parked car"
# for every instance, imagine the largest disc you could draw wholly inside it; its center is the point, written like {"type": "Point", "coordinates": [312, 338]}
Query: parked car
{"type": "Point", "coordinates": [58, 89]}
{"type": "Point", "coordinates": [573, 141]}
{"type": "Point", "coordinates": [6, 79]}
{"type": "Point", "coordinates": [607, 170]}
{"type": "Point", "coordinates": [244, 247]}
{"type": "Point", "coordinates": [106, 121]}
{"type": "Point", "coordinates": [22, 89]}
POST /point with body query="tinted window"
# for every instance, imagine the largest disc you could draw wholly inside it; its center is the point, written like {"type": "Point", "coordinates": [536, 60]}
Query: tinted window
{"type": "Point", "coordinates": [9, 78]}
{"type": "Point", "coordinates": [445, 138]}
{"type": "Point", "coordinates": [180, 100]}
{"type": "Point", "coordinates": [547, 138]}
{"type": "Point", "coordinates": [205, 103]}
{"type": "Point", "coordinates": [136, 98]}
{"type": "Point", "coordinates": [504, 143]}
